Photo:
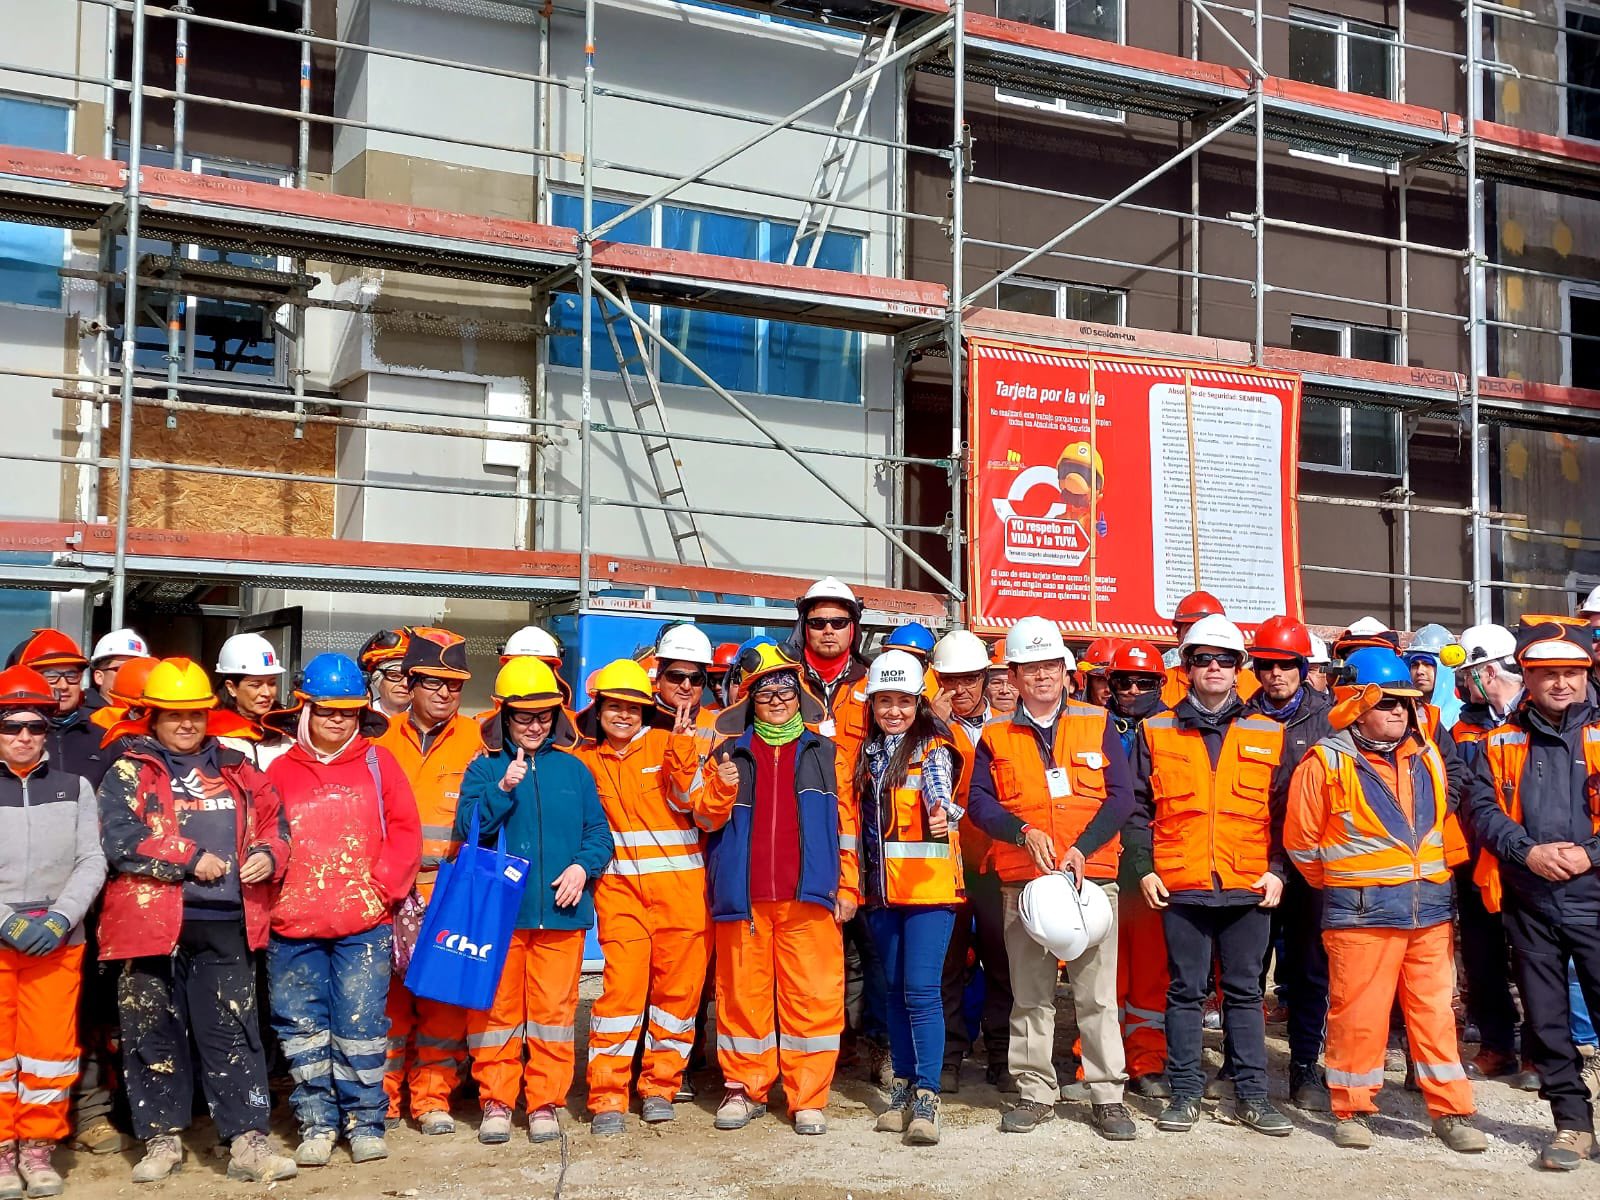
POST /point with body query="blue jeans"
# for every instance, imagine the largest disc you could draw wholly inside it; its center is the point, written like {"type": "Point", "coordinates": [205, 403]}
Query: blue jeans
{"type": "Point", "coordinates": [912, 942]}
{"type": "Point", "coordinates": [328, 997]}
{"type": "Point", "coordinates": [1582, 1027]}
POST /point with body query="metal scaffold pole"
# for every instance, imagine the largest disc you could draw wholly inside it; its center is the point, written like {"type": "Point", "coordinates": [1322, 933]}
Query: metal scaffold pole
{"type": "Point", "coordinates": [586, 305]}
{"type": "Point", "coordinates": [953, 328]}
{"type": "Point", "coordinates": [130, 320]}
{"type": "Point", "coordinates": [1476, 351]}
{"type": "Point", "coordinates": [175, 306]}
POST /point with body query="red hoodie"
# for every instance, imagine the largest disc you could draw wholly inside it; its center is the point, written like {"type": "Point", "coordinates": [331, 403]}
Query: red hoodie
{"type": "Point", "coordinates": [349, 869]}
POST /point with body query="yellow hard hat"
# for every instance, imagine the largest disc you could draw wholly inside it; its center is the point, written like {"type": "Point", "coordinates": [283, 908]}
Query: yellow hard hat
{"type": "Point", "coordinates": [763, 660]}
{"type": "Point", "coordinates": [527, 683]}
{"type": "Point", "coordinates": [178, 683]}
{"type": "Point", "coordinates": [623, 679]}
{"type": "Point", "coordinates": [1081, 457]}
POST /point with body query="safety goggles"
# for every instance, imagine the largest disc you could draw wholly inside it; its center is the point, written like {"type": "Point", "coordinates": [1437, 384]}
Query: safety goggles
{"type": "Point", "coordinates": [684, 678]}
{"type": "Point", "coordinates": [1205, 659]}
{"type": "Point", "coordinates": [821, 623]}
{"type": "Point", "coordinates": [775, 695]}
{"type": "Point", "coordinates": [523, 718]}
{"type": "Point", "coordinates": [432, 683]}
{"type": "Point", "coordinates": [1136, 683]}
{"type": "Point", "coordinates": [18, 728]}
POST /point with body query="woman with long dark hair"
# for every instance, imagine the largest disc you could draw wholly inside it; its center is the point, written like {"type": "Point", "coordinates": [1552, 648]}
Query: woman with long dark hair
{"type": "Point", "coordinates": [905, 784]}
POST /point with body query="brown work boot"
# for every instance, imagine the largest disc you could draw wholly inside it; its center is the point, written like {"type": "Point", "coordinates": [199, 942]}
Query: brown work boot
{"type": "Point", "coordinates": [897, 1116]}
{"type": "Point", "coordinates": [1567, 1150]}
{"type": "Point", "coordinates": [1460, 1134]}
{"type": "Point", "coordinates": [1591, 1071]}
{"type": "Point", "coordinates": [253, 1160]}
{"type": "Point", "coordinates": [923, 1127]}
{"type": "Point", "coordinates": [163, 1155]}
{"type": "Point", "coordinates": [1352, 1132]}
{"type": "Point", "coordinates": [99, 1136]}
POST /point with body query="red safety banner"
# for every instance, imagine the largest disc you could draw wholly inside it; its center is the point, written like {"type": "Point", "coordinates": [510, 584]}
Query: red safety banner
{"type": "Point", "coordinates": [1185, 480]}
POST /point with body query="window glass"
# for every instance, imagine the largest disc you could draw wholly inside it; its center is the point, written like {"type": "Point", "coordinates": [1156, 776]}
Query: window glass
{"type": "Point", "coordinates": [1374, 441]}
{"type": "Point", "coordinates": [1322, 435]}
{"type": "Point", "coordinates": [724, 347]}
{"type": "Point", "coordinates": [1089, 18]}
{"type": "Point", "coordinates": [808, 360]}
{"type": "Point", "coordinates": [1371, 70]}
{"type": "Point", "coordinates": [31, 255]}
{"type": "Point", "coordinates": [1584, 318]}
{"type": "Point", "coordinates": [1583, 73]}
{"type": "Point", "coordinates": [1026, 298]}
{"type": "Point", "coordinates": [1374, 345]}
{"type": "Point", "coordinates": [1313, 53]}
{"type": "Point", "coordinates": [1101, 305]}
{"type": "Point", "coordinates": [565, 307]}
{"type": "Point", "coordinates": [1317, 339]}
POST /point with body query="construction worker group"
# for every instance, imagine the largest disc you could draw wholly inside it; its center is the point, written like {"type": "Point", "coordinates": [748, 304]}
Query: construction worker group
{"type": "Point", "coordinates": [789, 847]}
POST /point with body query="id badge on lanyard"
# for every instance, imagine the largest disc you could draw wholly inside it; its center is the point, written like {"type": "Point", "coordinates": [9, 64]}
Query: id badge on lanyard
{"type": "Point", "coordinates": [1059, 782]}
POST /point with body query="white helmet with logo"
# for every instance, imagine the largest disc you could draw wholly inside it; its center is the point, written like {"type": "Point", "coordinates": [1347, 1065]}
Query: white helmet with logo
{"type": "Point", "coordinates": [895, 671]}
{"type": "Point", "coordinates": [120, 643]}
{"type": "Point", "coordinates": [1485, 643]}
{"type": "Point", "coordinates": [1034, 639]}
{"type": "Point", "coordinates": [248, 654]}
{"type": "Point", "coordinates": [959, 652]}
{"type": "Point", "coordinates": [1215, 631]}
{"type": "Point", "coordinates": [531, 642]}
{"type": "Point", "coordinates": [1319, 652]}
{"type": "Point", "coordinates": [683, 642]}
{"type": "Point", "coordinates": [1064, 917]}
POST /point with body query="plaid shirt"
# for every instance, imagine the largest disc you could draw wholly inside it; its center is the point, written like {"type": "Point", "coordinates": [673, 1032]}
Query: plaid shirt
{"type": "Point", "coordinates": [938, 773]}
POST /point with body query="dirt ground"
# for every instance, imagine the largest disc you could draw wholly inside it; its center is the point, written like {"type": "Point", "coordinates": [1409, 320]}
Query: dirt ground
{"type": "Point", "coordinates": [690, 1159]}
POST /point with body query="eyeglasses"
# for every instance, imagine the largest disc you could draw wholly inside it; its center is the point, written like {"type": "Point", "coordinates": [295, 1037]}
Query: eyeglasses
{"type": "Point", "coordinates": [432, 683]}
{"type": "Point", "coordinates": [685, 678]}
{"type": "Point", "coordinates": [1390, 704]}
{"type": "Point", "coordinates": [392, 674]}
{"type": "Point", "coordinates": [62, 675]}
{"type": "Point", "coordinates": [325, 712]}
{"type": "Point", "coordinates": [1206, 659]}
{"type": "Point", "coordinates": [820, 623]}
{"type": "Point", "coordinates": [971, 679]}
{"type": "Point", "coordinates": [522, 719]}
{"type": "Point", "coordinates": [1136, 683]}
{"type": "Point", "coordinates": [775, 695]}
{"type": "Point", "coordinates": [18, 728]}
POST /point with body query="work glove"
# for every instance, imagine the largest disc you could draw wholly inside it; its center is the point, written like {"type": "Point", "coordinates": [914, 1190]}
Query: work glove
{"type": "Point", "coordinates": [14, 930]}
{"type": "Point", "coordinates": [45, 934]}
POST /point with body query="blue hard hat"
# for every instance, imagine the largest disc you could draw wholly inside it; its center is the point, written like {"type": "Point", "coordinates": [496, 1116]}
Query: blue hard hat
{"type": "Point", "coordinates": [1381, 666]}
{"type": "Point", "coordinates": [760, 639]}
{"type": "Point", "coordinates": [332, 677]}
{"type": "Point", "coordinates": [915, 637]}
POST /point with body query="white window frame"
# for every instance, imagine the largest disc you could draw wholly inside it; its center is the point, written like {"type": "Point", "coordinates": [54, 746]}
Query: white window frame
{"type": "Point", "coordinates": [66, 238]}
{"type": "Point", "coordinates": [1563, 7]}
{"type": "Point", "coordinates": [1340, 25]}
{"type": "Point", "coordinates": [1062, 106]}
{"type": "Point", "coordinates": [1569, 289]}
{"type": "Point", "coordinates": [1344, 329]}
{"type": "Point", "coordinates": [1058, 287]}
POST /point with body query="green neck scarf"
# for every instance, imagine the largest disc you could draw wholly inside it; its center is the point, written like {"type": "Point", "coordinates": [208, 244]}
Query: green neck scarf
{"type": "Point", "coordinates": [780, 735]}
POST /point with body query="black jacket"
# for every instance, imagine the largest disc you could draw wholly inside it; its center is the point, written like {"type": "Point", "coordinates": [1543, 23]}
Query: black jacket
{"type": "Point", "coordinates": [1305, 729]}
{"type": "Point", "coordinates": [74, 743]}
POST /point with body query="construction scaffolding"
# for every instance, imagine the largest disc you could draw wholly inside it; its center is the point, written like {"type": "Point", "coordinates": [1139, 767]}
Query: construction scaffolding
{"type": "Point", "coordinates": [1235, 102]}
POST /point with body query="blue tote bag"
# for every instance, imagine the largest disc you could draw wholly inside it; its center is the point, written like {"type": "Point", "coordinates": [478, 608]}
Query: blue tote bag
{"type": "Point", "coordinates": [466, 932]}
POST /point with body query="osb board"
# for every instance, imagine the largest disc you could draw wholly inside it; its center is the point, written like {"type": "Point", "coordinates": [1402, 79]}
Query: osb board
{"type": "Point", "coordinates": [171, 499]}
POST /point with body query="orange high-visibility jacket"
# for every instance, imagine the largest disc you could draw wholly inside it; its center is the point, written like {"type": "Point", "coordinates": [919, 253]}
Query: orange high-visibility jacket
{"type": "Point", "coordinates": [1021, 786]}
{"type": "Point", "coordinates": [975, 843]}
{"type": "Point", "coordinates": [1507, 752]}
{"type": "Point", "coordinates": [913, 866]}
{"type": "Point", "coordinates": [640, 788]}
{"type": "Point", "coordinates": [436, 782]}
{"type": "Point", "coordinates": [1211, 823]}
{"type": "Point", "coordinates": [848, 728]}
{"type": "Point", "coordinates": [1340, 830]}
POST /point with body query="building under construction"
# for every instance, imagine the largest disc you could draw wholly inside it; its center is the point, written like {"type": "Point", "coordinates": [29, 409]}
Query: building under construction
{"type": "Point", "coordinates": [317, 316]}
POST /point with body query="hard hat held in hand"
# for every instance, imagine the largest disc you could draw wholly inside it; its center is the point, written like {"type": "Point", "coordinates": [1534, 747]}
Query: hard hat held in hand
{"type": "Point", "coordinates": [1034, 639]}
{"type": "Point", "coordinates": [1065, 918]}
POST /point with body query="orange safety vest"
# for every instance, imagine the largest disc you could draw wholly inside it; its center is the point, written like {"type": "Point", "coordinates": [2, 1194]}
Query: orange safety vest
{"type": "Point", "coordinates": [1507, 751]}
{"type": "Point", "coordinates": [652, 836]}
{"type": "Point", "coordinates": [846, 723]}
{"type": "Point", "coordinates": [1211, 824]}
{"type": "Point", "coordinates": [435, 781]}
{"type": "Point", "coordinates": [975, 843]}
{"type": "Point", "coordinates": [1464, 733]}
{"type": "Point", "coordinates": [917, 867]}
{"type": "Point", "coordinates": [1360, 849]}
{"type": "Point", "coordinates": [1022, 787]}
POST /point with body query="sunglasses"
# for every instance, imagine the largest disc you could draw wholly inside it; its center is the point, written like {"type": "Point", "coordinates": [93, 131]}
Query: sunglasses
{"type": "Point", "coordinates": [522, 719]}
{"type": "Point", "coordinates": [325, 712]}
{"type": "Point", "coordinates": [775, 695]}
{"type": "Point", "coordinates": [1391, 704]}
{"type": "Point", "coordinates": [432, 683]}
{"type": "Point", "coordinates": [1207, 659]}
{"type": "Point", "coordinates": [18, 728]}
{"type": "Point", "coordinates": [1136, 683]}
{"type": "Point", "coordinates": [820, 623]}
{"type": "Point", "coordinates": [684, 678]}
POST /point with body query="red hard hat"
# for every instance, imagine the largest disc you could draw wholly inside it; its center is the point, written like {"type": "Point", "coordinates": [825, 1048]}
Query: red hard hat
{"type": "Point", "coordinates": [1138, 658]}
{"type": "Point", "coordinates": [23, 687]}
{"type": "Point", "coordinates": [49, 648]}
{"type": "Point", "coordinates": [1098, 656]}
{"type": "Point", "coordinates": [725, 655]}
{"type": "Point", "coordinates": [1196, 605]}
{"type": "Point", "coordinates": [1281, 637]}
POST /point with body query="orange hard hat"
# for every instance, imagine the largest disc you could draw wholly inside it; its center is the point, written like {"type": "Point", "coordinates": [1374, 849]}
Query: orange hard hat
{"type": "Point", "coordinates": [24, 687]}
{"type": "Point", "coordinates": [1137, 658]}
{"type": "Point", "coordinates": [49, 648]}
{"type": "Point", "coordinates": [127, 686]}
{"type": "Point", "coordinates": [1097, 657]}
{"type": "Point", "coordinates": [1281, 637]}
{"type": "Point", "coordinates": [1196, 605]}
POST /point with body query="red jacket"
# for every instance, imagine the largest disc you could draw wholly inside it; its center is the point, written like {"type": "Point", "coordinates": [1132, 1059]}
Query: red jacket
{"type": "Point", "coordinates": [149, 858]}
{"type": "Point", "coordinates": [352, 864]}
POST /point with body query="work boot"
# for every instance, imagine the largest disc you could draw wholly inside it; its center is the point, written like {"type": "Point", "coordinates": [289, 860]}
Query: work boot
{"type": "Point", "coordinates": [737, 1109]}
{"type": "Point", "coordinates": [1179, 1116]}
{"type": "Point", "coordinates": [1491, 1064]}
{"type": "Point", "coordinates": [810, 1122]}
{"type": "Point", "coordinates": [33, 1160]}
{"type": "Point", "coordinates": [495, 1127]}
{"type": "Point", "coordinates": [923, 1127]}
{"type": "Point", "coordinates": [99, 1136]}
{"type": "Point", "coordinates": [392, 1123]}
{"type": "Point", "coordinates": [1115, 1122]}
{"type": "Point", "coordinates": [897, 1116]}
{"type": "Point", "coordinates": [1353, 1133]}
{"type": "Point", "coordinates": [252, 1160]}
{"type": "Point", "coordinates": [315, 1148]}
{"type": "Point", "coordinates": [1027, 1116]}
{"type": "Point", "coordinates": [1591, 1071]}
{"type": "Point", "coordinates": [368, 1147]}
{"type": "Point", "coordinates": [1263, 1118]}
{"type": "Point", "coordinates": [1567, 1150]}
{"type": "Point", "coordinates": [543, 1124]}
{"type": "Point", "coordinates": [950, 1080]}
{"type": "Point", "coordinates": [162, 1156]}
{"type": "Point", "coordinates": [1527, 1079]}
{"type": "Point", "coordinates": [880, 1065]}
{"type": "Point", "coordinates": [685, 1092]}
{"type": "Point", "coordinates": [1002, 1080]}
{"type": "Point", "coordinates": [1153, 1086]}
{"type": "Point", "coordinates": [607, 1124]}
{"type": "Point", "coordinates": [437, 1123]}
{"type": "Point", "coordinates": [1308, 1088]}
{"type": "Point", "coordinates": [1460, 1134]}
{"type": "Point", "coordinates": [656, 1110]}
{"type": "Point", "coordinates": [10, 1181]}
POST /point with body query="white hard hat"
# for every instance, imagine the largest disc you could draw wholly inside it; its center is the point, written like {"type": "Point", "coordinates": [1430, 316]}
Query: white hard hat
{"type": "Point", "coordinates": [683, 643]}
{"type": "Point", "coordinates": [895, 671]}
{"type": "Point", "coordinates": [1214, 630]}
{"type": "Point", "coordinates": [248, 654]}
{"type": "Point", "coordinates": [1367, 627]}
{"type": "Point", "coordinates": [1063, 917]}
{"type": "Point", "coordinates": [829, 588]}
{"type": "Point", "coordinates": [120, 643]}
{"type": "Point", "coordinates": [531, 642]}
{"type": "Point", "coordinates": [1034, 639]}
{"type": "Point", "coordinates": [1319, 652]}
{"type": "Point", "coordinates": [959, 652]}
{"type": "Point", "coordinates": [1487, 643]}
{"type": "Point", "coordinates": [1430, 639]}
{"type": "Point", "coordinates": [1591, 604]}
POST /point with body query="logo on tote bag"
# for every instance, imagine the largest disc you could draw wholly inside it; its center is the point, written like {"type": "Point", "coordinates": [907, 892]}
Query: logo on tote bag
{"type": "Point", "coordinates": [460, 945]}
